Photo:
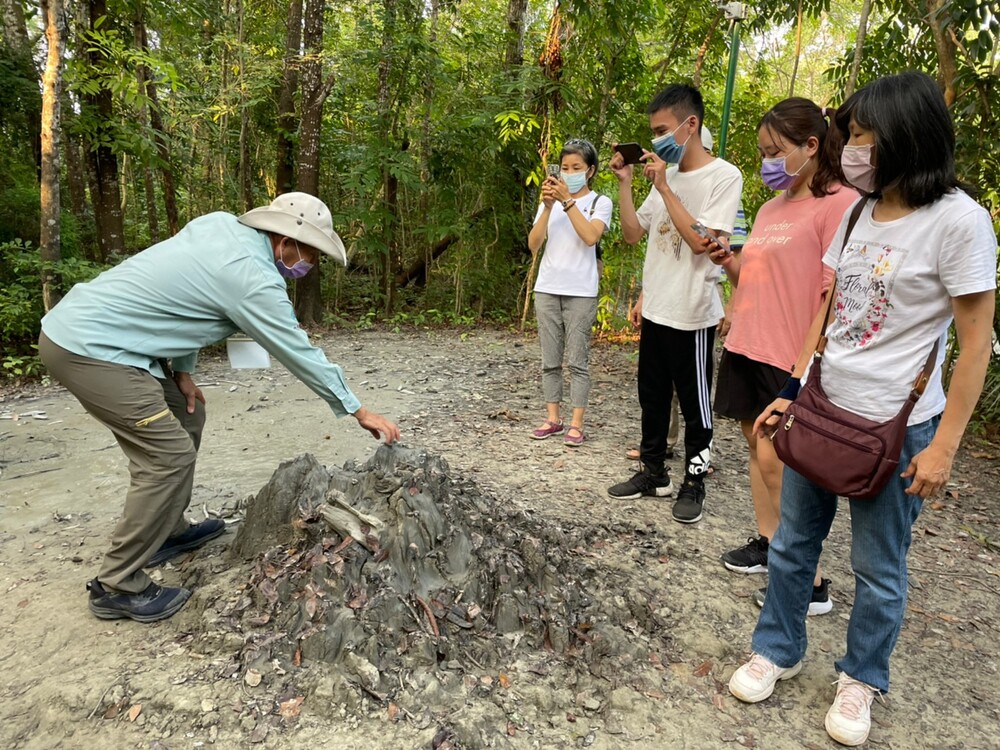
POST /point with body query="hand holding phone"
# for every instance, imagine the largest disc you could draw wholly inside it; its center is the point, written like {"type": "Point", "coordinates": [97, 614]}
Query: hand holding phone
{"type": "Point", "coordinates": [703, 232]}
{"type": "Point", "coordinates": [631, 152]}
{"type": "Point", "coordinates": [554, 170]}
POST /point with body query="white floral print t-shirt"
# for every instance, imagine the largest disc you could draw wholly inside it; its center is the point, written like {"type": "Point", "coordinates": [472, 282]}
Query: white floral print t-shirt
{"type": "Point", "coordinates": [895, 281]}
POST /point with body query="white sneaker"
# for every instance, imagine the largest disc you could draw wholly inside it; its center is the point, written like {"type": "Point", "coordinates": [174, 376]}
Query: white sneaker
{"type": "Point", "coordinates": [850, 717]}
{"type": "Point", "coordinates": [754, 681]}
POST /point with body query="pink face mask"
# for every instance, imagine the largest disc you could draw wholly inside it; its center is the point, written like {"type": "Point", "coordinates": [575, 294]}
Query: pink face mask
{"type": "Point", "coordinates": [856, 161]}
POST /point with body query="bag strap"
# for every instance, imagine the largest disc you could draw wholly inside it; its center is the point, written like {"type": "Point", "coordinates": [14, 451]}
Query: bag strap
{"type": "Point", "coordinates": [831, 295]}
{"type": "Point", "coordinates": [920, 384]}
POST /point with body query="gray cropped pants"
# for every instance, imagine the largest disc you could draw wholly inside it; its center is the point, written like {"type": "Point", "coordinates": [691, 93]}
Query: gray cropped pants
{"type": "Point", "coordinates": [564, 327]}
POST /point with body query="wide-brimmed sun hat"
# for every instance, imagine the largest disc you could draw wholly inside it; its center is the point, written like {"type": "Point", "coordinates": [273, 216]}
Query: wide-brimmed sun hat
{"type": "Point", "coordinates": [304, 218]}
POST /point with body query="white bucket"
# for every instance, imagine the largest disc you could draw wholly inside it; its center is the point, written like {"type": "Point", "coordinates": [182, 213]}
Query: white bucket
{"type": "Point", "coordinates": [246, 354]}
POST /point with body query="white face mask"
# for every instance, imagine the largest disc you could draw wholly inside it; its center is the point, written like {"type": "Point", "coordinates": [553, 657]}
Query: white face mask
{"type": "Point", "coordinates": [856, 161]}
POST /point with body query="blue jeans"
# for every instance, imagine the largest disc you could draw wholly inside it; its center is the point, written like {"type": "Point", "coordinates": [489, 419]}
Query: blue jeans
{"type": "Point", "coordinates": [881, 535]}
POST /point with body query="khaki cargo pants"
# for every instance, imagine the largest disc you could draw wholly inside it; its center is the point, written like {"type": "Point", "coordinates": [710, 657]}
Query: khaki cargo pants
{"type": "Point", "coordinates": [149, 419]}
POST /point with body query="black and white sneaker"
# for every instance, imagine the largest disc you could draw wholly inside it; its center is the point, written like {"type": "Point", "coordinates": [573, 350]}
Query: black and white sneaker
{"type": "Point", "coordinates": [750, 558]}
{"type": "Point", "coordinates": [690, 503]}
{"type": "Point", "coordinates": [819, 603]}
{"type": "Point", "coordinates": [643, 483]}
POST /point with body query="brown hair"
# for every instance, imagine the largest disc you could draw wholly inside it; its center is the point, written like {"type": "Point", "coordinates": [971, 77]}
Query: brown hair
{"type": "Point", "coordinates": [795, 120]}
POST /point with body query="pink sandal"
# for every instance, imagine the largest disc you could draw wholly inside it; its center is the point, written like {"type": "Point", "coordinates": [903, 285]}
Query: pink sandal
{"type": "Point", "coordinates": [550, 428]}
{"type": "Point", "coordinates": [574, 441]}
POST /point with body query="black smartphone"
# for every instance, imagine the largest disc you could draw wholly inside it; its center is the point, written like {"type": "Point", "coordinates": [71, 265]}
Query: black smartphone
{"type": "Point", "coordinates": [554, 170]}
{"type": "Point", "coordinates": [631, 152]}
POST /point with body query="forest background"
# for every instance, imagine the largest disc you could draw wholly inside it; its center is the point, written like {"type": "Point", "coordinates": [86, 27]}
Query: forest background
{"type": "Point", "coordinates": [423, 124]}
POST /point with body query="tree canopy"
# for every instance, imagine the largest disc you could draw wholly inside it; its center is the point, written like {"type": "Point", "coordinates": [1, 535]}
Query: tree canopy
{"type": "Point", "coordinates": [423, 125]}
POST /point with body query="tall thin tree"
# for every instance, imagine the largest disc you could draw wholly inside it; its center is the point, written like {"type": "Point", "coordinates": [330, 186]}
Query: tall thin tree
{"type": "Point", "coordinates": [859, 43]}
{"type": "Point", "coordinates": [50, 240]}
{"type": "Point", "coordinates": [308, 296]}
{"type": "Point", "coordinates": [287, 124]}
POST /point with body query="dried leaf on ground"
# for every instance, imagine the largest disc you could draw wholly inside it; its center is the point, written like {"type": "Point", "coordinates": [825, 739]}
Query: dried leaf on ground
{"type": "Point", "coordinates": [291, 708]}
{"type": "Point", "coordinates": [133, 713]}
{"type": "Point", "coordinates": [252, 677]}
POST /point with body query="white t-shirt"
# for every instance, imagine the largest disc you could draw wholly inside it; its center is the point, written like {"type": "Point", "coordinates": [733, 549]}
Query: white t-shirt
{"type": "Point", "coordinates": [679, 286]}
{"type": "Point", "coordinates": [895, 281]}
{"type": "Point", "coordinates": [569, 267]}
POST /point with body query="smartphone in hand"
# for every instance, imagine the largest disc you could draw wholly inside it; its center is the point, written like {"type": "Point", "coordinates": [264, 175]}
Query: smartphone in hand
{"type": "Point", "coordinates": [631, 152]}
{"type": "Point", "coordinates": [554, 170]}
{"type": "Point", "coordinates": [702, 231]}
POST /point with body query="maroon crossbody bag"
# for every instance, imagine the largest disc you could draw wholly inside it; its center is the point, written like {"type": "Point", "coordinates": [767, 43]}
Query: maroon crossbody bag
{"type": "Point", "coordinates": [846, 454]}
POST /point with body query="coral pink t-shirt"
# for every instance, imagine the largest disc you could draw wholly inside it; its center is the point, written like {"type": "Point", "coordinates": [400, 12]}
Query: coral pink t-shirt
{"type": "Point", "coordinates": [782, 276]}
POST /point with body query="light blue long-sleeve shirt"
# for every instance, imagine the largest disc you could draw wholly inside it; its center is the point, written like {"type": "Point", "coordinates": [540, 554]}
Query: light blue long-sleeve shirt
{"type": "Point", "coordinates": [215, 277]}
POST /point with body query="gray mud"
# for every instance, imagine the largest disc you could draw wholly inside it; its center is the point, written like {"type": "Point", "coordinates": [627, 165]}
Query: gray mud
{"type": "Point", "coordinates": [582, 622]}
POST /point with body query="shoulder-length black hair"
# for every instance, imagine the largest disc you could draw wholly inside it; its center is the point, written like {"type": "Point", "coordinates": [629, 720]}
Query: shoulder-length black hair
{"type": "Point", "coordinates": [796, 119]}
{"type": "Point", "coordinates": [914, 136]}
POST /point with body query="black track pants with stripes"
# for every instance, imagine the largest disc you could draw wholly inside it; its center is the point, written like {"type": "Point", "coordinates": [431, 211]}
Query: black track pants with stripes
{"type": "Point", "coordinates": [671, 359]}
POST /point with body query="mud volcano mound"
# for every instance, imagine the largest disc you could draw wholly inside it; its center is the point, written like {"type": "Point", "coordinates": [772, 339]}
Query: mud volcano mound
{"type": "Point", "coordinates": [395, 572]}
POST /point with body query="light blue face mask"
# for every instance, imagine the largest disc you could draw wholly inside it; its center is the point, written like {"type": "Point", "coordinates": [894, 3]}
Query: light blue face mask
{"type": "Point", "coordinates": [667, 148]}
{"type": "Point", "coordinates": [575, 181]}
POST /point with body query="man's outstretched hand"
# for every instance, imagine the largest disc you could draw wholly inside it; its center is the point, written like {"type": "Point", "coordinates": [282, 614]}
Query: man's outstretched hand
{"type": "Point", "coordinates": [377, 425]}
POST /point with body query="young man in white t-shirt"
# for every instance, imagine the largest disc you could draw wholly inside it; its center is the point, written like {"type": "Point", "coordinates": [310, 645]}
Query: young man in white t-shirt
{"type": "Point", "coordinates": [679, 307]}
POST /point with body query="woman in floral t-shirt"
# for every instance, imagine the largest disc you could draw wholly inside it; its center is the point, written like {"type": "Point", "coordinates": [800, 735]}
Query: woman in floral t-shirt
{"type": "Point", "coordinates": [922, 254]}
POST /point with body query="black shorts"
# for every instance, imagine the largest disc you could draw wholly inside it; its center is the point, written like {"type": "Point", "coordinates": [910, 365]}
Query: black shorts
{"type": "Point", "coordinates": [745, 387]}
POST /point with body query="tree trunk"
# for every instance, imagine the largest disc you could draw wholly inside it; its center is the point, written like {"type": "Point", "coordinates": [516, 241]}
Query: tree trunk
{"type": "Point", "coordinates": [425, 140]}
{"type": "Point", "coordinates": [49, 242]}
{"type": "Point", "coordinates": [798, 52]}
{"type": "Point", "coordinates": [15, 34]}
{"type": "Point", "coordinates": [76, 176]}
{"type": "Point", "coordinates": [246, 188]}
{"type": "Point", "coordinates": [162, 141]}
{"type": "Point", "coordinates": [946, 49]}
{"type": "Point", "coordinates": [142, 78]}
{"type": "Point", "coordinates": [308, 296]}
{"type": "Point", "coordinates": [103, 160]}
{"type": "Point", "coordinates": [516, 25]}
{"type": "Point", "coordinates": [859, 43]}
{"type": "Point", "coordinates": [385, 68]}
{"type": "Point", "coordinates": [286, 100]}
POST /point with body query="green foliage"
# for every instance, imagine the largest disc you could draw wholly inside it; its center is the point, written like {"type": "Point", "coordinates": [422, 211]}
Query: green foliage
{"type": "Point", "coordinates": [431, 139]}
{"type": "Point", "coordinates": [21, 306]}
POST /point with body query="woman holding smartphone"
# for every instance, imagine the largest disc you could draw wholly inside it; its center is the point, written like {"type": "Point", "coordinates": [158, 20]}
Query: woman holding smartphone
{"type": "Point", "coordinates": [569, 223]}
{"type": "Point", "coordinates": [921, 255]}
{"type": "Point", "coordinates": [779, 283]}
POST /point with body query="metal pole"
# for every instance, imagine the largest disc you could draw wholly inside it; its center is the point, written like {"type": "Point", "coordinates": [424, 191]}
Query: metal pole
{"type": "Point", "coordinates": [736, 12]}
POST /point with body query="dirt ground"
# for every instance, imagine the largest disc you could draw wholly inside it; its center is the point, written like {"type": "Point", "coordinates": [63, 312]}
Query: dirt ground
{"type": "Point", "coordinates": [68, 680]}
